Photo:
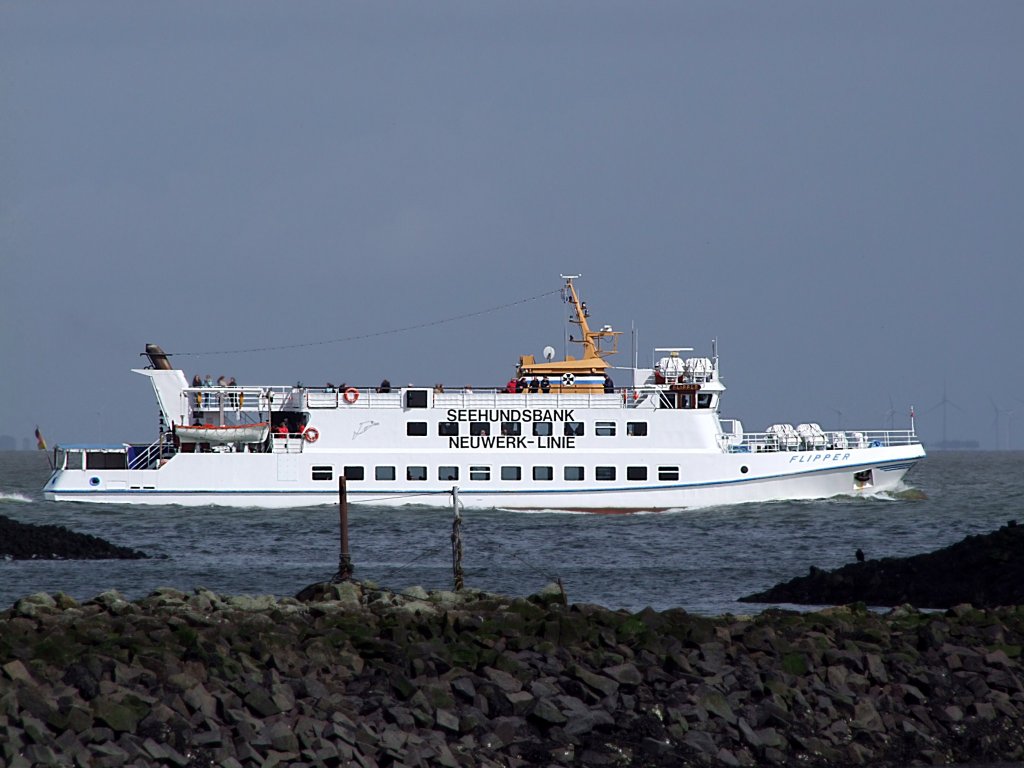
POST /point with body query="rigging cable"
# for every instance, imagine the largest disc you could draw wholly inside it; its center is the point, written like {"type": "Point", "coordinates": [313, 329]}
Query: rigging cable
{"type": "Point", "coordinates": [374, 334]}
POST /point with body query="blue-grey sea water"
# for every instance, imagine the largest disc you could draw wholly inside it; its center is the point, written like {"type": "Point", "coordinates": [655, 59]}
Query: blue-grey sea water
{"type": "Point", "coordinates": [701, 560]}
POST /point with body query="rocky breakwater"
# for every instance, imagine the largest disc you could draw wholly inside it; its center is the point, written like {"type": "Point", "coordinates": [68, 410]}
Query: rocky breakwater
{"type": "Point", "coordinates": [360, 676]}
{"type": "Point", "coordinates": [27, 541]}
{"type": "Point", "coordinates": [984, 570]}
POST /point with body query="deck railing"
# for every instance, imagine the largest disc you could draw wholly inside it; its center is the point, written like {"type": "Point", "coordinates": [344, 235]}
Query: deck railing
{"type": "Point", "coordinates": [767, 442]}
{"type": "Point", "coordinates": [473, 398]}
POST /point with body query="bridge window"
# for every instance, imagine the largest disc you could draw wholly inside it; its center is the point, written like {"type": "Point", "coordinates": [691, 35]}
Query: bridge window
{"type": "Point", "coordinates": [703, 399]}
{"type": "Point", "coordinates": [106, 461]}
{"type": "Point", "coordinates": [416, 398]}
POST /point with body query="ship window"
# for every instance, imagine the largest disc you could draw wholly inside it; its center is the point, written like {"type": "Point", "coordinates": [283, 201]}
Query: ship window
{"type": "Point", "coordinates": [480, 428]}
{"type": "Point", "coordinates": [416, 398]}
{"type": "Point", "coordinates": [480, 473]}
{"type": "Point", "coordinates": [668, 473]}
{"type": "Point", "coordinates": [604, 473]}
{"type": "Point", "coordinates": [384, 473]}
{"type": "Point", "coordinates": [415, 473]}
{"type": "Point", "coordinates": [73, 460]}
{"type": "Point", "coordinates": [636, 473]}
{"type": "Point", "coordinates": [543, 473]}
{"type": "Point", "coordinates": [574, 428]}
{"type": "Point", "coordinates": [542, 428]}
{"type": "Point", "coordinates": [573, 473]}
{"type": "Point", "coordinates": [448, 428]}
{"type": "Point", "coordinates": [511, 473]}
{"type": "Point", "coordinates": [416, 428]}
{"type": "Point", "coordinates": [636, 428]}
{"type": "Point", "coordinates": [447, 473]}
{"type": "Point", "coordinates": [513, 428]}
{"type": "Point", "coordinates": [355, 473]}
{"type": "Point", "coordinates": [704, 400]}
{"type": "Point", "coordinates": [106, 461]}
{"type": "Point", "coordinates": [325, 472]}
{"type": "Point", "coordinates": [605, 428]}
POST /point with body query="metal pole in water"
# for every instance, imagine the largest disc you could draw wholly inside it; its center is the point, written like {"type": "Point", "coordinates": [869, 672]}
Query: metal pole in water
{"type": "Point", "coordinates": [344, 559]}
{"type": "Point", "coordinates": [457, 541]}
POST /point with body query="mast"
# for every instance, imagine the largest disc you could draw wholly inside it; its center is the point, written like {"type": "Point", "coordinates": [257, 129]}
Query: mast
{"type": "Point", "coordinates": [591, 340]}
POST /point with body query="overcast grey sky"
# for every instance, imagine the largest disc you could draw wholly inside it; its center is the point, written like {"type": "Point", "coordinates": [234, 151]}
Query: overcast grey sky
{"type": "Point", "coordinates": [833, 190]}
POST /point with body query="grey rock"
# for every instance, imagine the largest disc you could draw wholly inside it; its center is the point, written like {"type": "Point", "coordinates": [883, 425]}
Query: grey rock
{"type": "Point", "coordinates": [606, 686]}
{"type": "Point", "coordinates": [580, 723]}
{"type": "Point", "coordinates": [624, 674]}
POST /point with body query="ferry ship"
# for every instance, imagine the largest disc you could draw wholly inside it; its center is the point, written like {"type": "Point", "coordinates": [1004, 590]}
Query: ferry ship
{"type": "Point", "coordinates": [560, 436]}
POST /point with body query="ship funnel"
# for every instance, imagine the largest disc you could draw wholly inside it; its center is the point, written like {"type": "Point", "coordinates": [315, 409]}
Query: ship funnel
{"type": "Point", "coordinates": [158, 358]}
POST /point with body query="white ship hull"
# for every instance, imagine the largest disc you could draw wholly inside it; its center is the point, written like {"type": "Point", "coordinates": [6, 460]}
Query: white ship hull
{"type": "Point", "coordinates": [698, 477]}
{"type": "Point", "coordinates": [764, 486]}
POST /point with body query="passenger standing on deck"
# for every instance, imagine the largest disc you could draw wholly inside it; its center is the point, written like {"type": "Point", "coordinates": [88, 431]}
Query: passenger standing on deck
{"type": "Point", "coordinates": [208, 381]}
{"type": "Point", "coordinates": [521, 384]}
{"type": "Point", "coordinates": [511, 386]}
{"type": "Point", "coordinates": [534, 384]}
{"type": "Point", "coordinates": [545, 385]}
{"type": "Point", "coordinates": [385, 386]}
{"type": "Point", "coordinates": [197, 381]}
{"type": "Point", "coordinates": [609, 387]}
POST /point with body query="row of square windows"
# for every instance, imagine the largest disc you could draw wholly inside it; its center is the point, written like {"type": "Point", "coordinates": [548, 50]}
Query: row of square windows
{"type": "Point", "coordinates": [515, 428]}
{"type": "Point", "coordinates": [482, 473]}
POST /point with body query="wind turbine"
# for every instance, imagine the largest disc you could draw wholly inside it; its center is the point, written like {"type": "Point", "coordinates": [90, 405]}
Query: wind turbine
{"type": "Point", "coordinates": [944, 403]}
{"type": "Point", "coordinates": [995, 421]}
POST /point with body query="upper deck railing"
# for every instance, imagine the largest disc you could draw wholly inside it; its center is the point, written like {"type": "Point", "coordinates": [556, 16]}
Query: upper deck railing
{"type": "Point", "coordinates": [470, 398]}
{"type": "Point", "coordinates": [766, 442]}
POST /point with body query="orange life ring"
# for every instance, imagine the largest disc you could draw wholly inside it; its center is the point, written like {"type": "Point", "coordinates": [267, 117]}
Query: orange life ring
{"type": "Point", "coordinates": [311, 434]}
{"type": "Point", "coordinates": [351, 395]}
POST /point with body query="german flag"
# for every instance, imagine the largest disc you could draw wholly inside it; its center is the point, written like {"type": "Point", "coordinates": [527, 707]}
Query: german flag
{"type": "Point", "coordinates": [40, 442]}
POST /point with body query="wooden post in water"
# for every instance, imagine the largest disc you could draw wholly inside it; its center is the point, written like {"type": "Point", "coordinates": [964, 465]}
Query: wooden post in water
{"type": "Point", "coordinates": [457, 541]}
{"type": "Point", "coordinates": [344, 558]}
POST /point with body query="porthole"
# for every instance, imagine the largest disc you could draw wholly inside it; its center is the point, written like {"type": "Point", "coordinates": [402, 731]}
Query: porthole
{"type": "Point", "coordinates": [744, 469]}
